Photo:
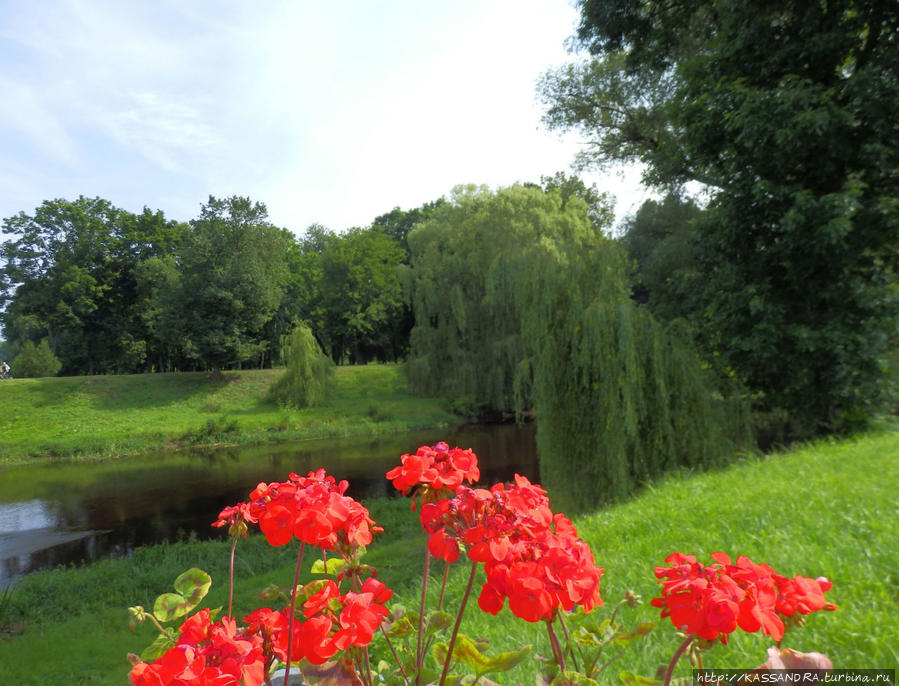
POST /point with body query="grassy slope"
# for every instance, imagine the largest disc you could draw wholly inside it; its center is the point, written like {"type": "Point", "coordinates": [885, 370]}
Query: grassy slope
{"type": "Point", "coordinates": [115, 415]}
{"type": "Point", "coordinates": [829, 508]}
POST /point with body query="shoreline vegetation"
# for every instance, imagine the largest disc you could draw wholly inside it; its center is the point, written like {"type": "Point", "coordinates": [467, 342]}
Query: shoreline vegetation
{"type": "Point", "coordinates": [91, 417]}
{"type": "Point", "coordinates": [823, 508]}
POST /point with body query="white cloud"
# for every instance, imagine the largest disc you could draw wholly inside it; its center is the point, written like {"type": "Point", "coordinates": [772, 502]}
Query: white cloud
{"type": "Point", "coordinates": [170, 134]}
{"type": "Point", "coordinates": [327, 112]}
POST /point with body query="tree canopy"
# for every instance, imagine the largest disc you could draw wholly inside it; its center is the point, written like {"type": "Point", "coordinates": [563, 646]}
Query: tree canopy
{"type": "Point", "coordinates": [68, 276]}
{"type": "Point", "coordinates": [786, 112]}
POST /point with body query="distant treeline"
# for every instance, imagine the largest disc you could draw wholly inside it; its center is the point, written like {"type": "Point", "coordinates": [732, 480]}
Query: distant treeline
{"type": "Point", "coordinates": [109, 291]}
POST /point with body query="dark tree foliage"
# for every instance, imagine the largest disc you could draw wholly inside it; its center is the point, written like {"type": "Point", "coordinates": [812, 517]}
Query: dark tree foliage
{"type": "Point", "coordinates": [116, 292]}
{"type": "Point", "coordinates": [361, 298]}
{"type": "Point", "coordinates": [232, 270]}
{"type": "Point", "coordinates": [660, 238]}
{"type": "Point", "coordinates": [787, 112]}
{"type": "Point", "coordinates": [353, 300]}
{"type": "Point", "coordinates": [397, 224]}
{"type": "Point", "coordinates": [69, 276]}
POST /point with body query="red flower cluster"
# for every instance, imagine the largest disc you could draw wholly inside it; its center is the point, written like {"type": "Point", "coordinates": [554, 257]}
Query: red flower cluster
{"type": "Point", "coordinates": [711, 601]}
{"type": "Point", "coordinates": [801, 595]}
{"type": "Point", "coordinates": [218, 654]}
{"type": "Point", "coordinates": [333, 622]}
{"type": "Point", "coordinates": [207, 654]}
{"type": "Point", "coordinates": [313, 508]}
{"type": "Point", "coordinates": [531, 556]}
{"type": "Point", "coordinates": [435, 470]}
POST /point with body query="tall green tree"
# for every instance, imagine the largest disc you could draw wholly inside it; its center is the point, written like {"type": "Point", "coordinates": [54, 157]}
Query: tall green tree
{"type": "Point", "coordinates": [786, 112]}
{"type": "Point", "coordinates": [232, 270]}
{"type": "Point", "coordinates": [360, 297]}
{"type": "Point", "coordinates": [467, 342]}
{"type": "Point", "coordinates": [69, 276]}
{"type": "Point", "coordinates": [398, 224]}
{"type": "Point", "coordinates": [156, 305]}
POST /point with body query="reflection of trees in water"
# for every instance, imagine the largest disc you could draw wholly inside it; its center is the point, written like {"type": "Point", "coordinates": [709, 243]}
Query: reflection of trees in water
{"type": "Point", "coordinates": [179, 497]}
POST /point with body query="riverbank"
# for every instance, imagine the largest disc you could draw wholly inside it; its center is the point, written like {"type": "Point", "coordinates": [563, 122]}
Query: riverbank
{"type": "Point", "coordinates": [827, 508]}
{"type": "Point", "coordinates": [111, 416]}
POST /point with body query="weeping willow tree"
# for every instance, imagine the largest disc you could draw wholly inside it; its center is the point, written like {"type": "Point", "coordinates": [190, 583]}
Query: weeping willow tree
{"type": "Point", "coordinates": [309, 376]}
{"type": "Point", "coordinates": [521, 302]}
{"type": "Point", "coordinates": [466, 343]}
{"type": "Point", "coordinates": [620, 399]}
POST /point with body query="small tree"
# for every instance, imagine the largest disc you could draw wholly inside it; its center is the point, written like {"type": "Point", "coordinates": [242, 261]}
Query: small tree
{"type": "Point", "coordinates": [310, 374]}
{"type": "Point", "coordinates": [35, 361]}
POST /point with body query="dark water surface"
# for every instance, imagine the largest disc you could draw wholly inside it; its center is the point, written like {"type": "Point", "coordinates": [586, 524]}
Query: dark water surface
{"type": "Point", "coordinates": [68, 513]}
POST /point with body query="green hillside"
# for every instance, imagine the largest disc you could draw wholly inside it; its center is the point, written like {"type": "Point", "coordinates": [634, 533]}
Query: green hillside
{"type": "Point", "coordinates": [91, 416]}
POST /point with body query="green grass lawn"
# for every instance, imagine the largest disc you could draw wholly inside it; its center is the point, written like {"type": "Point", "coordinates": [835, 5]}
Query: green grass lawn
{"type": "Point", "coordinates": [829, 508]}
{"type": "Point", "coordinates": [102, 416]}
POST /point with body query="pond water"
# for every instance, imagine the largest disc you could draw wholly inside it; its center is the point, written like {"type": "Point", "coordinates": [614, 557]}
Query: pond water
{"type": "Point", "coordinates": [64, 513]}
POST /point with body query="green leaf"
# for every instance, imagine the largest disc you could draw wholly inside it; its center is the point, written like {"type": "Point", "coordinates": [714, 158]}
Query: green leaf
{"type": "Point", "coordinates": [158, 647]}
{"type": "Point", "coordinates": [469, 653]}
{"type": "Point", "coordinates": [632, 679]}
{"type": "Point", "coordinates": [191, 586]}
{"type": "Point", "coordinates": [437, 620]}
{"type": "Point", "coordinates": [332, 567]}
{"type": "Point", "coordinates": [401, 627]}
{"type": "Point", "coordinates": [170, 606]}
{"type": "Point", "coordinates": [569, 678]}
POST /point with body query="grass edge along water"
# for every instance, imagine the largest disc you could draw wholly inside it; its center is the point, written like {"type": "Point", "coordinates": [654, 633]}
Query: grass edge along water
{"type": "Point", "coordinates": [110, 416]}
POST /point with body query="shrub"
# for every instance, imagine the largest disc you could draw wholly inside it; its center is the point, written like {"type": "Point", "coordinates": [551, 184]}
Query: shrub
{"type": "Point", "coordinates": [35, 361]}
{"type": "Point", "coordinates": [309, 377]}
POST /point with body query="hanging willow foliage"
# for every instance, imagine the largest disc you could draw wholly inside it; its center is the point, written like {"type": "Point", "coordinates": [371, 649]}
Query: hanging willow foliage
{"type": "Point", "coordinates": [309, 376]}
{"type": "Point", "coordinates": [520, 302]}
{"type": "Point", "coordinates": [466, 343]}
{"type": "Point", "coordinates": [620, 399]}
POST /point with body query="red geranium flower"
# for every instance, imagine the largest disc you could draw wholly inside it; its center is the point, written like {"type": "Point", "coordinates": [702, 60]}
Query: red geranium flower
{"type": "Point", "coordinates": [711, 601]}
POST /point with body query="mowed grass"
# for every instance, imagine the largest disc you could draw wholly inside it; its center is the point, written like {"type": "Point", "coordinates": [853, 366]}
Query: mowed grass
{"type": "Point", "coordinates": [828, 508]}
{"type": "Point", "coordinates": [103, 416]}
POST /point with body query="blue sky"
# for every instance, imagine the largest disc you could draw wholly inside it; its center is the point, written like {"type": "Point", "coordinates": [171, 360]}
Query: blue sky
{"type": "Point", "coordinates": [328, 112]}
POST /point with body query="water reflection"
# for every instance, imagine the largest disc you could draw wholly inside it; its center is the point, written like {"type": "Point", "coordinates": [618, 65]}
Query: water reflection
{"type": "Point", "coordinates": [65, 513]}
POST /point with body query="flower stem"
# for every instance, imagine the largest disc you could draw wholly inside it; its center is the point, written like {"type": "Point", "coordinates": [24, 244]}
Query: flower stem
{"type": "Point", "coordinates": [554, 641]}
{"type": "Point", "coordinates": [449, 650]}
{"type": "Point", "coordinates": [677, 653]}
{"type": "Point", "coordinates": [156, 622]}
{"type": "Point", "coordinates": [290, 617]}
{"type": "Point", "coordinates": [446, 566]}
{"type": "Point", "coordinates": [419, 658]}
{"type": "Point", "coordinates": [368, 677]}
{"type": "Point", "coordinates": [395, 656]}
{"type": "Point", "coordinates": [231, 578]}
{"type": "Point", "coordinates": [568, 643]}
